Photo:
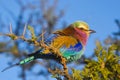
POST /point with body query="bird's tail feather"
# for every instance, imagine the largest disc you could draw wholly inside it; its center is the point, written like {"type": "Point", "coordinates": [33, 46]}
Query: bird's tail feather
{"type": "Point", "coordinates": [22, 62]}
{"type": "Point", "coordinates": [35, 53]}
{"type": "Point", "coordinates": [9, 67]}
{"type": "Point", "coordinates": [32, 57]}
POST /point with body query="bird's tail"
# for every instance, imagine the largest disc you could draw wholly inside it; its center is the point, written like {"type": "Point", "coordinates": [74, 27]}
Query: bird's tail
{"type": "Point", "coordinates": [36, 55]}
{"type": "Point", "coordinates": [22, 62]}
{"type": "Point", "coordinates": [30, 58]}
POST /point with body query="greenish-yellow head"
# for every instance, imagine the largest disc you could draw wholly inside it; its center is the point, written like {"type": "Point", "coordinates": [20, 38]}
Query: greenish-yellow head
{"type": "Point", "coordinates": [82, 26]}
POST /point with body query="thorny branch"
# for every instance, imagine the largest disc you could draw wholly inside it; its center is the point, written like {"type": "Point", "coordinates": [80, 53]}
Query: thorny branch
{"type": "Point", "coordinates": [54, 51]}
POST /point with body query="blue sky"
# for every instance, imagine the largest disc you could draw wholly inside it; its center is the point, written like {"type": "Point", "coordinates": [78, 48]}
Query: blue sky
{"type": "Point", "coordinates": [99, 14]}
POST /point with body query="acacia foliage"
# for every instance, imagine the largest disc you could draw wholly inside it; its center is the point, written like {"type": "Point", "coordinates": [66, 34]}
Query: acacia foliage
{"type": "Point", "coordinates": [104, 66]}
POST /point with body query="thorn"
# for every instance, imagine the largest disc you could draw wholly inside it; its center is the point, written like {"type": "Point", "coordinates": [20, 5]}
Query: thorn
{"type": "Point", "coordinates": [24, 30]}
{"type": "Point", "coordinates": [11, 28]}
{"type": "Point", "coordinates": [42, 35]}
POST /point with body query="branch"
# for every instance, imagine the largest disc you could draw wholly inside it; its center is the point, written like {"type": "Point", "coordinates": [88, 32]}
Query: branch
{"type": "Point", "coordinates": [55, 53]}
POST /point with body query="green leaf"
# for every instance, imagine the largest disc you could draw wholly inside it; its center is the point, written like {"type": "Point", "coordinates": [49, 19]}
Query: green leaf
{"type": "Point", "coordinates": [31, 29]}
{"type": "Point", "coordinates": [76, 74]}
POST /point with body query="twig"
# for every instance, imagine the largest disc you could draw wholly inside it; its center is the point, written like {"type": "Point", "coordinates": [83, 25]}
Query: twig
{"type": "Point", "coordinates": [63, 62]}
{"type": "Point", "coordinates": [42, 36]}
{"type": "Point", "coordinates": [55, 52]}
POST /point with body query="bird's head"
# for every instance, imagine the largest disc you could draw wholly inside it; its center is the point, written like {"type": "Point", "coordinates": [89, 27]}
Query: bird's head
{"type": "Point", "coordinates": [82, 27]}
{"type": "Point", "coordinates": [81, 31]}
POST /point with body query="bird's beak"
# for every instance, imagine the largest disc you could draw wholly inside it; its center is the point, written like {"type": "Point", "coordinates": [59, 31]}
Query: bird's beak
{"type": "Point", "coordinates": [92, 31]}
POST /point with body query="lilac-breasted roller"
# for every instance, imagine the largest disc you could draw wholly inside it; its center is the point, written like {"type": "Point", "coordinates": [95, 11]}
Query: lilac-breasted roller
{"type": "Point", "coordinates": [70, 41]}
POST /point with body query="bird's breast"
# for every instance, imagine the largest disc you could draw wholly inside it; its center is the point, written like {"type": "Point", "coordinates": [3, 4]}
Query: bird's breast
{"type": "Point", "coordinates": [81, 36]}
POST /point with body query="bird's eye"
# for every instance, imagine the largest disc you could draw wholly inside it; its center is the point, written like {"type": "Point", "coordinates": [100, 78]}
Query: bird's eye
{"type": "Point", "coordinates": [82, 28]}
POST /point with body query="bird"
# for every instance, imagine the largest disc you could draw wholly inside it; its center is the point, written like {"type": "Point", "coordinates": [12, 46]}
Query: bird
{"type": "Point", "coordinates": [70, 42]}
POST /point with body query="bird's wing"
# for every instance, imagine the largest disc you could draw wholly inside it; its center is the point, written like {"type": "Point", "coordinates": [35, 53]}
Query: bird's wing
{"type": "Point", "coordinates": [58, 41]}
{"type": "Point", "coordinates": [68, 46]}
{"type": "Point", "coordinates": [63, 41]}
{"type": "Point", "coordinates": [76, 50]}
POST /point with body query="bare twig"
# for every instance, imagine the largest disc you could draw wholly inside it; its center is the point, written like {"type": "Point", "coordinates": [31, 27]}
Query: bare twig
{"type": "Point", "coordinates": [42, 34]}
{"type": "Point", "coordinates": [57, 55]}
{"type": "Point", "coordinates": [42, 37]}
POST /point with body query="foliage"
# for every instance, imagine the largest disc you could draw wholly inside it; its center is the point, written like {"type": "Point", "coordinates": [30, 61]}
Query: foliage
{"type": "Point", "coordinates": [104, 66]}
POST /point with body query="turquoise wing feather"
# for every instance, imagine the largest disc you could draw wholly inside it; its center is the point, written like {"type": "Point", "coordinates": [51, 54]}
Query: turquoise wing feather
{"type": "Point", "coordinates": [72, 53]}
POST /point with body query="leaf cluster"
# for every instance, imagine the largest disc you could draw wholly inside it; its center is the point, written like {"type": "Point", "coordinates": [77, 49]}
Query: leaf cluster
{"type": "Point", "coordinates": [105, 65]}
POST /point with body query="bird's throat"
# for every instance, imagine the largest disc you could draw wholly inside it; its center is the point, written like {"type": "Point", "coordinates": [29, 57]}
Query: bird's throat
{"type": "Point", "coordinates": [81, 36]}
